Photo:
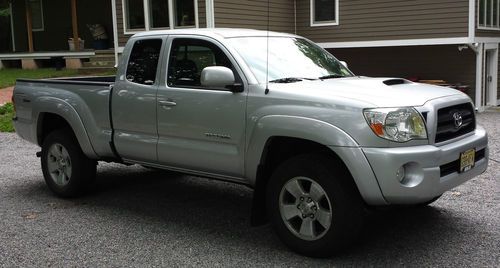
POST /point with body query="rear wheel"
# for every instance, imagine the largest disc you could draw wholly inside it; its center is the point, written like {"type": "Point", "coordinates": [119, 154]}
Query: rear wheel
{"type": "Point", "coordinates": [312, 205]}
{"type": "Point", "coordinates": [67, 171]}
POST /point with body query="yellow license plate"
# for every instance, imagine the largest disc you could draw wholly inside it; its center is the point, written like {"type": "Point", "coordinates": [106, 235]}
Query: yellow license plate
{"type": "Point", "coordinates": [467, 160]}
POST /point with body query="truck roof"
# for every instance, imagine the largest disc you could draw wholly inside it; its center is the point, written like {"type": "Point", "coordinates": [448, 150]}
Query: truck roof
{"type": "Point", "coordinates": [215, 32]}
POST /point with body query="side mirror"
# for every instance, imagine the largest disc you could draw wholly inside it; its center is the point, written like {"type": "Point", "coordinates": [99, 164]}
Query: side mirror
{"type": "Point", "coordinates": [217, 76]}
{"type": "Point", "coordinates": [344, 63]}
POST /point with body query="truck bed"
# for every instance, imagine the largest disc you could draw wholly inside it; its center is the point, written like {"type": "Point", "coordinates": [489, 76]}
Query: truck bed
{"type": "Point", "coordinates": [82, 101]}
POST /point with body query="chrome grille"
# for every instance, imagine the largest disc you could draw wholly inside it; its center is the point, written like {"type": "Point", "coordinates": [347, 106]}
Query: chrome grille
{"type": "Point", "coordinates": [454, 121]}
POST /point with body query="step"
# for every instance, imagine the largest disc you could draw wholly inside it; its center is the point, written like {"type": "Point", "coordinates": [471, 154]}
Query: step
{"type": "Point", "coordinates": [105, 52]}
{"type": "Point", "coordinates": [99, 64]}
{"type": "Point", "coordinates": [93, 70]}
{"type": "Point", "coordinates": [102, 58]}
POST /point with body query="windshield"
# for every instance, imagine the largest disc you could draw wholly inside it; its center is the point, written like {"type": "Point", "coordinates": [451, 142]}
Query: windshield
{"type": "Point", "coordinates": [290, 59]}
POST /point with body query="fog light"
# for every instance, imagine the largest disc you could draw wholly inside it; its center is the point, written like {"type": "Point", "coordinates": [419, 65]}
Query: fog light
{"type": "Point", "coordinates": [400, 174]}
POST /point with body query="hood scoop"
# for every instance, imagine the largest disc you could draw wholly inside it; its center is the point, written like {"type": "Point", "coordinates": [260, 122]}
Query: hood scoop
{"type": "Point", "coordinates": [395, 81]}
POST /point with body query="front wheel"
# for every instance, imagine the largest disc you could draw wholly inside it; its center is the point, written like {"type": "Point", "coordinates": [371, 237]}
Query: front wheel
{"type": "Point", "coordinates": [67, 171]}
{"type": "Point", "coordinates": [312, 205]}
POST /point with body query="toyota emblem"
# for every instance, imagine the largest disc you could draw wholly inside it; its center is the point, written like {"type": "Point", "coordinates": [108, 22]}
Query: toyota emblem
{"type": "Point", "coordinates": [457, 117]}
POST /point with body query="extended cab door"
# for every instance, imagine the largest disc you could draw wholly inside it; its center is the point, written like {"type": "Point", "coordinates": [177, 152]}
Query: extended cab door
{"type": "Point", "coordinates": [133, 103]}
{"type": "Point", "coordinates": [200, 129]}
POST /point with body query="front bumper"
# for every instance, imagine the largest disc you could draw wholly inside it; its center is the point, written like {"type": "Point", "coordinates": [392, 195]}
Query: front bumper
{"type": "Point", "coordinates": [424, 178]}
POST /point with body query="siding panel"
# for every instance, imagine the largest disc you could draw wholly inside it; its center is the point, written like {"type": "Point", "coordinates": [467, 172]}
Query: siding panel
{"type": "Point", "coordinates": [253, 14]}
{"type": "Point", "coordinates": [368, 20]}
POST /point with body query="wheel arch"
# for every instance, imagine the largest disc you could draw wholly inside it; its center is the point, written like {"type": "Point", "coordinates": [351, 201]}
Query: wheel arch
{"type": "Point", "coordinates": [54, 114]}
{"type": "Point", "coordinates": [278, 138]}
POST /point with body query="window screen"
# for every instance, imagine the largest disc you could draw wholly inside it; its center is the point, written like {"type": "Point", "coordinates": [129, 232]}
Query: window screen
{"type": "Point", "coordinates": [134, 14]}
{"type": "Point", "coordinates": [324, 11]}
{"type": "Point", "coordinates": [143, 61]}
{"type": "Point", "coordinates": [188, 57]}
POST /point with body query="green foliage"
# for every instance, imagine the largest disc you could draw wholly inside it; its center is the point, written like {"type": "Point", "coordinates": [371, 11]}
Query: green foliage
{"type": "Point", "coordinates": [4, 12]}
{"type": "Point", "coordinates": [6, 114]}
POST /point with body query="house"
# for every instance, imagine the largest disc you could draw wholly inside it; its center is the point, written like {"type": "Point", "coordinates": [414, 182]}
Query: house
{"type": "Point", "coordinates": [451, 40]}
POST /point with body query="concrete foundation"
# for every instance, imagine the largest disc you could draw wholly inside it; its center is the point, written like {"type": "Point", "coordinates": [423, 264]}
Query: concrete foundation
{"type": "Point", "coordinates": [73, 63]}
{"type": "Point", "coordinates": [29, 64]}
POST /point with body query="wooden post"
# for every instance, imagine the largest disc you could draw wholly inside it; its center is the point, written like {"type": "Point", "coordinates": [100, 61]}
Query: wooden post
{"type": "Point", "coordinates": [29, 26]}
{"type": "Point", "coordinates": [74, 21]}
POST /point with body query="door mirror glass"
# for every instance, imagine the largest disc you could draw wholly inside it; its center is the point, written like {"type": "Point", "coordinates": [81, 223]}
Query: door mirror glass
{"type": "Point", "coordinates": [217, 76]}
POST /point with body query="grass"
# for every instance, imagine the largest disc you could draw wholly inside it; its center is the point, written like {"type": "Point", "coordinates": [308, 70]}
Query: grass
{"type": "Point", "coordinates": [6, 114]}
{"type": "Point", "coordinates": [8, 76]}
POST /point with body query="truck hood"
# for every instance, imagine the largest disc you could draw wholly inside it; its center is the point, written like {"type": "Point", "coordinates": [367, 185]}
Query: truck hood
{"type": "Point", "coordinates": [374, 92]}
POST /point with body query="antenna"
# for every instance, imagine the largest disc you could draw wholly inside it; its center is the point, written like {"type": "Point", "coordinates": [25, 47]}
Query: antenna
{"type": "Point", "coordinates": [267, 51]}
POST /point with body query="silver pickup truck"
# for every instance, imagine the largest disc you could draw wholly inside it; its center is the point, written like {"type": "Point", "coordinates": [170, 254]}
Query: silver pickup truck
{"type": "Point", "coordinates": [272, 111]}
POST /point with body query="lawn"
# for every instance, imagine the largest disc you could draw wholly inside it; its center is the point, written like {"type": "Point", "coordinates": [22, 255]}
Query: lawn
{"type": "Point", "coordinates": [8, 76]}
{"type": "Point", "coordinates": [6, 114]}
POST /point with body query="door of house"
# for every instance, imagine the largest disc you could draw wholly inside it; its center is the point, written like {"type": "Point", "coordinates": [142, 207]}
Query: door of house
{"type": "Point", "coordinates": [489, 96]}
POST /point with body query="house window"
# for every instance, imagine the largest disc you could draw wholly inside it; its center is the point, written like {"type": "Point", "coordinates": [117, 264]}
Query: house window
{"type": "Point", "coordinates": [489, 17]}
{"type": "Point", "coordinates": [160, 14]}
{"type": "Point", "coordinates": [184, 13]}
{"type": "Point", "coordinates": [36, 8]}
{"type": "Point", "coordinates": [134, 10]}
{"type": "Point", "coordinates": [324, 12]}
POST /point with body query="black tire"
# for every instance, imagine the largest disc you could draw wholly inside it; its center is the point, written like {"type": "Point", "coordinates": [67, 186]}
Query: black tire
{"type": "Point", "coordinates": [67, 171]}
{"type": "Point", "coordinates": [346, 206]}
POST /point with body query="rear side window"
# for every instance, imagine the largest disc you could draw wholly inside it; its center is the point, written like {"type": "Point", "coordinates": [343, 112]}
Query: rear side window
{"type": "Point", "coordinates": [143, 61]}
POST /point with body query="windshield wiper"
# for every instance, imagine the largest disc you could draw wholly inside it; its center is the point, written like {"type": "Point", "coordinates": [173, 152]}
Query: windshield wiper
{"type": "Point", "coordinates": [331, 76]}
{"type": "Point", "coordinates": [290, 79]}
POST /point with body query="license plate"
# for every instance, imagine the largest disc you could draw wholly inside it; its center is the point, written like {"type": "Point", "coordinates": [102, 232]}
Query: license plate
{"type": "Point", "coordinates": [467, 160]}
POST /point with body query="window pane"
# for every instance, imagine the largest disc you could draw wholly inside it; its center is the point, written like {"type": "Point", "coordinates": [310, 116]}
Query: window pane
{"type": "Point", "coordinates": [143, 61]}
{"type": "Point", "coordinates": [481, 12]}
{"type": "Point", "coordinates": [184, 15]}
{"type": "Point", "coordinates": [135, 14]}
{"type": "Point", "coordinates": [36, 14]}
{"type": "Point", "coordinates": [324, 10]}
{"type": "Point", "coordinates": [189, 57]}
{"type": "Point", "coordinates": [488, 12]}
{"type": "Point", "coordinates": [159, 13]}
{"type": "Point", "coordinates": [495, 13]}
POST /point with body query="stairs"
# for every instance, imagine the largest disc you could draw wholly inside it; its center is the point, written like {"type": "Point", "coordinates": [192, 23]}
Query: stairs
{"type": "Point", "coordinates": [102, 61]}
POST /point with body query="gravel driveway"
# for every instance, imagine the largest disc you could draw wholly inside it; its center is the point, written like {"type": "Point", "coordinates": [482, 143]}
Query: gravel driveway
{"type": "Point", "coordinates": [140, 217]}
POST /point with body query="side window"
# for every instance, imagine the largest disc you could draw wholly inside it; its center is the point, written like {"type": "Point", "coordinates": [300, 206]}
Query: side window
{"type": "Point", "coordinates": [188, 57]}
{"type": "Point", "coordinates": [143, 61]}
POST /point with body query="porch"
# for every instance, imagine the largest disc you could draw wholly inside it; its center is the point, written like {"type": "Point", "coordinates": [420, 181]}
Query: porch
{"type": "Point", "coordinates": [57, 33]}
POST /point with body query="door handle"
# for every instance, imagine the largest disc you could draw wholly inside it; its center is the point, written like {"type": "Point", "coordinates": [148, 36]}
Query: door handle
{"type": "Point", "coordinates": [167, 103]}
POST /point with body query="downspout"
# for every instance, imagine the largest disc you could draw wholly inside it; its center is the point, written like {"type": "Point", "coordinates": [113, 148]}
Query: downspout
{"type": "Point", "coordinates": [115, 30]}
{"type": "Point", "coordinates": [479, 75]}
{"type": "Point", "coordinates": [12, 28]}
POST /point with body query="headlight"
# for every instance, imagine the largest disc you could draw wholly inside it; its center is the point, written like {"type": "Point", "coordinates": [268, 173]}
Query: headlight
{"type": "Point", "coordinates": [396, 124]}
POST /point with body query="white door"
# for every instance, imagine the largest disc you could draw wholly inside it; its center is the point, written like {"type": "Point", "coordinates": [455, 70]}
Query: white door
{"type": "Point", "coordinates": [490, 78]}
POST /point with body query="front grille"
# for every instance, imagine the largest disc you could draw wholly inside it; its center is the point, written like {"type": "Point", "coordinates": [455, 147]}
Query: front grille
{"type": "Point", "coordinates": [446, 127]}
{"type": "Point", "coordinates": [454, 166]}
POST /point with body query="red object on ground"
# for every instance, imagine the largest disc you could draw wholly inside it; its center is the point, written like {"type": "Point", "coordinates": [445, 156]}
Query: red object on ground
{"type": "Point", "coordinates": [6, 95]}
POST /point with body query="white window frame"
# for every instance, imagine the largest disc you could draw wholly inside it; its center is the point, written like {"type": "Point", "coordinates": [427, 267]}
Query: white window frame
{"type": "Point", "coordinates": [147, 19]}
{"type": "Point", "coordinates": [326, 23]}
{"type": "Point", "coordinates": [41, 29]}
{"type": "Point", "coordinates": [484, 26]}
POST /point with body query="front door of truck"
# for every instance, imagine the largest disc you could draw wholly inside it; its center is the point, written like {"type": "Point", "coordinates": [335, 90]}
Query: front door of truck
{"type": "Point", "coordinates": [133, 103]}
{"type": "Point", "coordinates": [200, 129]}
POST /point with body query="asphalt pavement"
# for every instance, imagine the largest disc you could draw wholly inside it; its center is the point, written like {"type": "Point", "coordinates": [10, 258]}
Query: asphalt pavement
{"type": "Point", "coordinates": [140, 217]}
